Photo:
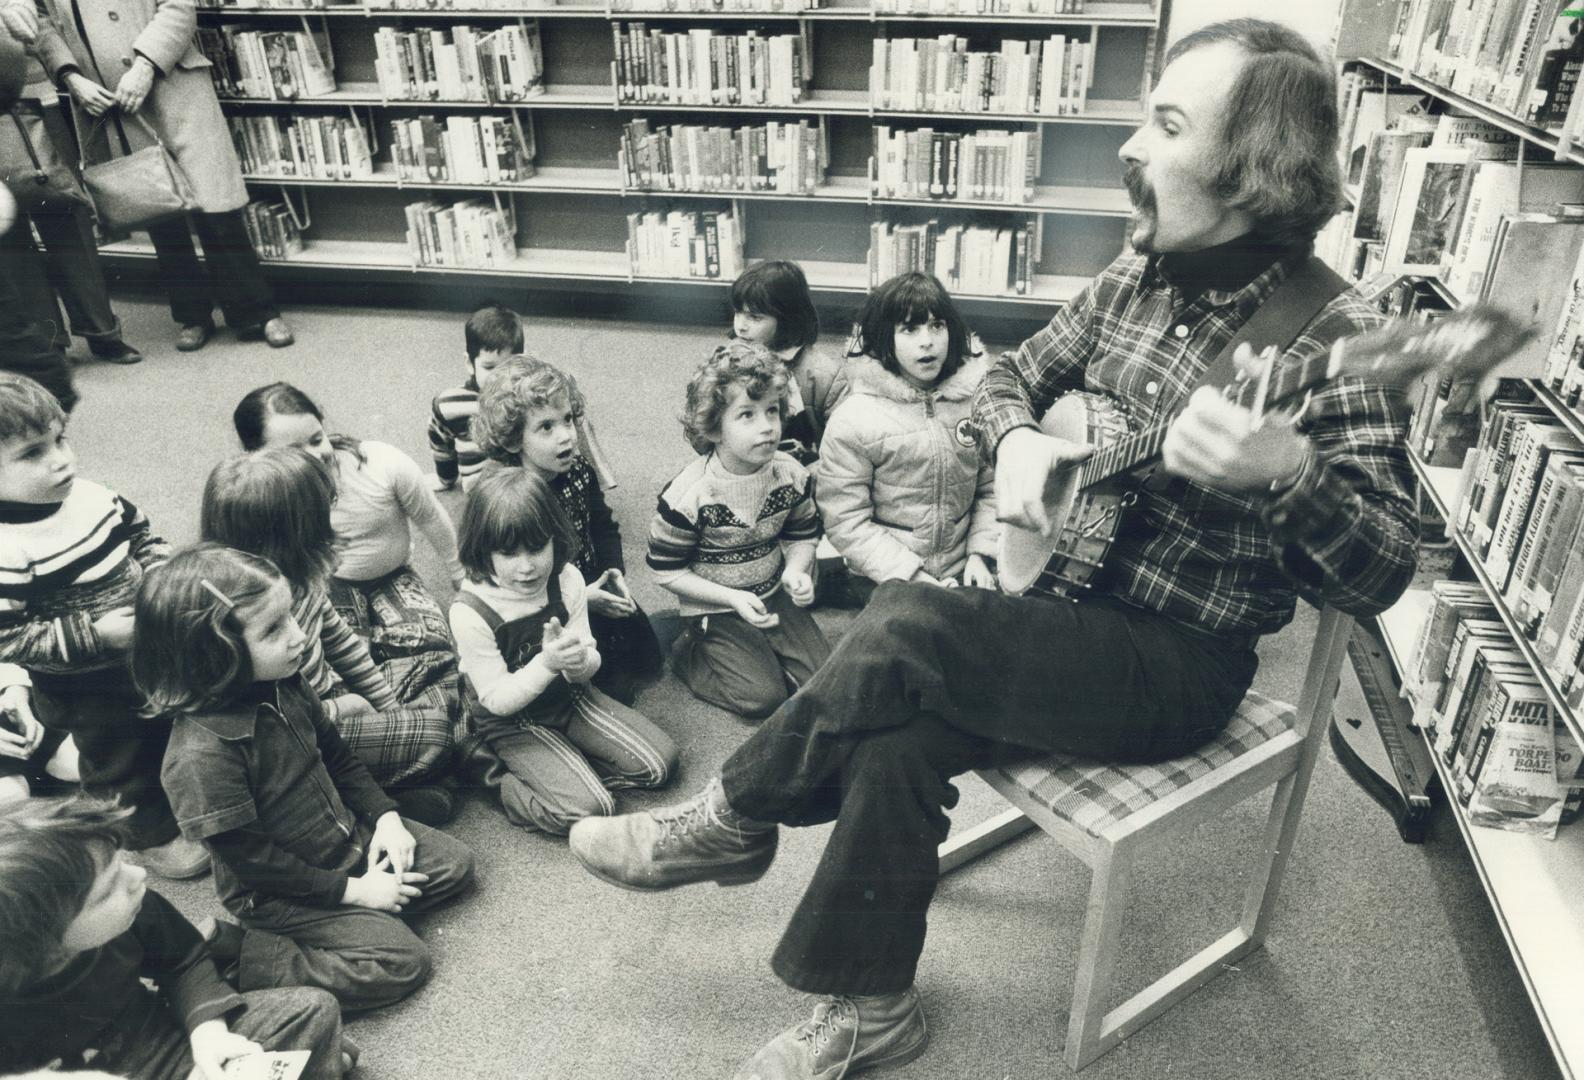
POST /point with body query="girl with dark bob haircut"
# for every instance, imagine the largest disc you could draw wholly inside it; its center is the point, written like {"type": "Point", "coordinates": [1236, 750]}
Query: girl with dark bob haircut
{"type": "Point", "coordinates": [909, 300]}
{"type": "Point", "coordinates": [777, 288]}
{"type": "Point", "coordinates": [511, 510]}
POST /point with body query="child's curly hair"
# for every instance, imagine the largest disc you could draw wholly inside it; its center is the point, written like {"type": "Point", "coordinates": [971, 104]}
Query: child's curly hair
{"type": "Point", "coordinates": [735, 363]}
{"type": "Point", "coordinates": [519, 386]}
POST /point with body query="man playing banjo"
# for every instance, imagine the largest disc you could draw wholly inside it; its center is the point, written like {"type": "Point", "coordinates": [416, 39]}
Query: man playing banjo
{"type": "Point", "coordinates": [1231, 176]}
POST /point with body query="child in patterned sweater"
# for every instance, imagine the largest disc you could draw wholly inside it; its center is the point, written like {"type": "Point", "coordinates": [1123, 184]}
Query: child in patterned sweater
{"type": "Point", "coordinates": [72, 554]}
{"type": "Point", "coordinates": [734, 538]}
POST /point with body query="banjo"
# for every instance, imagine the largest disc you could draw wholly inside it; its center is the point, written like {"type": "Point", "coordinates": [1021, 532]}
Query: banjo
{"type": "Point", "coordinates": [1084, 501]}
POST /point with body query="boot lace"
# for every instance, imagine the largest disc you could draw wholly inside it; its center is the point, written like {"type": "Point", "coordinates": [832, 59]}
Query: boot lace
{"type": "Point", "coordinates": [828, 1016]}
{"type": "Point", "coordinates": [685, 819]}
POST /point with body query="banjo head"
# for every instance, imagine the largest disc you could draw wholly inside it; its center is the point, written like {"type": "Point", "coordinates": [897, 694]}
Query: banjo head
{"type": "Point", "coordinates": [1024, 552]}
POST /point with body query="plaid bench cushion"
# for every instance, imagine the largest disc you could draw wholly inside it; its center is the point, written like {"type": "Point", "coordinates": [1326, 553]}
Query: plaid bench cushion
{"type": "Point", "coordinates": [1094, 796]}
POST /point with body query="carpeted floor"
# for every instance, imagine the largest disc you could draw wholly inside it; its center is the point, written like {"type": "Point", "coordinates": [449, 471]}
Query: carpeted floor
{"type": "Point", "coordinates": [1384, 961]}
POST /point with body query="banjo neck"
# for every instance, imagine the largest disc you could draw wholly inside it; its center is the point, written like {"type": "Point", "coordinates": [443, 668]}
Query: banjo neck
{"type": "Point", "coordinates": [1129, 452]}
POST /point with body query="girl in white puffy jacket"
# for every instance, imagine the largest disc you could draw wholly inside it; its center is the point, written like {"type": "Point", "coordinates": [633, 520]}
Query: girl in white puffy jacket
{"type": "Point", "coordinates": [902, 490]}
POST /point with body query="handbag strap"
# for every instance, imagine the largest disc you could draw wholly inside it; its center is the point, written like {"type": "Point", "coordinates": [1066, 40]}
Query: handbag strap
{"type": "Point", "coordinates": [27, 141]}
{"type": "Point", "coordinates": [126, 147]}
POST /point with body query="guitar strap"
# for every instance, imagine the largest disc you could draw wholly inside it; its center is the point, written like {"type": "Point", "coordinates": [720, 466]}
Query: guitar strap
{"type": "Point", "coordinates": [1278, 321]}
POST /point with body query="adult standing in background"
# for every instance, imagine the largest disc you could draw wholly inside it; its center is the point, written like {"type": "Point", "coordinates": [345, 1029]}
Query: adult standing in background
{"type": "Point", "coordinates": [23, 347]}
{"type": "Point", "coordinates": [139, 58]}
{"type": "Point", "coordinates": [71, 254]}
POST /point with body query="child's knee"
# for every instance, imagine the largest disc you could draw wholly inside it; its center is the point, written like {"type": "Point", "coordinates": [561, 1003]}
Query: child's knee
{"type": "Point", "coordinates": [13, 789]}
{"type": "Point", "coordinates": [407, 967]}
{"type": "Point", "coordinates": [759, 699]}
{"type": "Point", "coordinates": [556, 816]}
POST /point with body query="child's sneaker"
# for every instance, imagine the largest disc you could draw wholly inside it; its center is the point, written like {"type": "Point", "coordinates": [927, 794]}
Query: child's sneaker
{"type": "Point", "coordinates": [176, 861]}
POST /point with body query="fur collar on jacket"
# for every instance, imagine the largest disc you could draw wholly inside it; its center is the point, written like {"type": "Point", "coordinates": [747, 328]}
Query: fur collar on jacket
{"type": "Point", "coordinates": [868, 377]}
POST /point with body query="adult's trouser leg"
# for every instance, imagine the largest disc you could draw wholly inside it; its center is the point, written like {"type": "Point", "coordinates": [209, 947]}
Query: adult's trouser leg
{"type": "Point", "coordinates": [239, 286]}
{"type": "Point", "coordinates": [929, 683]}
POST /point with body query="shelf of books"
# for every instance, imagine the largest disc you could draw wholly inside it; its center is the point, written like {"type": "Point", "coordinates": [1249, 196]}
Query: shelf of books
{"type": "Point", "coordinates": [1458, 123]}
{"type": "Point", "coordinates": [1534, 883]}
{"type": "Point", "coordinates": [1010, 12]}
{"type": "Point", "coordinates": [682, 140]}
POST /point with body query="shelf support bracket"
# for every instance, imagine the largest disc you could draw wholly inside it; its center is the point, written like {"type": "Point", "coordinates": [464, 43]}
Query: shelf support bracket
{"type": "Point", "coordinates": [303, 220]}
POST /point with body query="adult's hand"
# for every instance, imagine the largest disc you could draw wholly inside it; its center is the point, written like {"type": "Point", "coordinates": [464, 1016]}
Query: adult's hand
{"type": "Point", "coordinates": [135, 85]}
{"type": "Point", "coordinates": [1025, 460]}
{"type": "Point", "coordinates": [89, 94]}
{"type": "Point", "coordinates": [1224, 446]}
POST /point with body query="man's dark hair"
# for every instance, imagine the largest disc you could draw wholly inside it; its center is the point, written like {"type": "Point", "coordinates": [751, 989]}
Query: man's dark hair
{"type": "Point", "coordinates": [1279, 164]}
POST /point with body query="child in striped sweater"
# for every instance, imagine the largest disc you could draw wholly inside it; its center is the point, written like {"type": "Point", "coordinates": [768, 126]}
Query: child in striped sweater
{"type": "Point", "coordinates": [276, 503]}
{"type": "Point", "coordinates": [734, 537]}
{"type": "Point", "coordinates": [72, 553]}
{"type": "Point", "coordinates": [494, 335]}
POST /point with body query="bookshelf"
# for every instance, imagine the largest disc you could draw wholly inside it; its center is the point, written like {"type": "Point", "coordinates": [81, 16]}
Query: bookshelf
{"type": "Point", "coordinates": [1535, 886]}
{"type": "Point", "coordinates": [573, 212]}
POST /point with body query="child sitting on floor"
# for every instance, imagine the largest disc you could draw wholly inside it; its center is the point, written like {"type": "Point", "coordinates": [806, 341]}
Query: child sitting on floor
{"type": "Point", "coordinates": [772, 306]}
{"type": "Point", "coordinates": [71, 555]}
{"type": "Point", "coordinates": [734, 538]}
{"type": "Point", "coordinates": [381, 498]}
{"type": "Point", "coordinates": [79, 930]}
{"type": "Point", "coordinates": [527, 417]}
{"type": "Point", "coordinates": [309, 854]}
{"type": "Point", "coordinates": [527, 654]}
{"type": "Point", "coordinates": [493, 335]}
{"type": "Point", "coordinates": [276, 504]}
{"type": "Point", "coordinates": [903, 491]}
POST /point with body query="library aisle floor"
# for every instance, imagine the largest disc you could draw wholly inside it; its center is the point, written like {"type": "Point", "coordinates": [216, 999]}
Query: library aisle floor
{"type": "Point", "coordinates": [1384, 961]}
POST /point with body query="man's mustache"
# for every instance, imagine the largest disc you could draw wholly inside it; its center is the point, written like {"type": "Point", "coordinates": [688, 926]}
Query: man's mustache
{"type": "Point", "coordinates": [1138, 188]}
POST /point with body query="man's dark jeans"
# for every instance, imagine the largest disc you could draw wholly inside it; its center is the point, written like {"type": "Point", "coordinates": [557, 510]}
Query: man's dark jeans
{"type": "Point", "coordinates": [930, 683]}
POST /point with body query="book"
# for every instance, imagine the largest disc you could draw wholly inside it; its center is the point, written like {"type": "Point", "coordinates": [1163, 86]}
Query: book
{"type": "Point", "coordinates": [1428, 209]}
{"type": "Point", "coordinates": [1382, 176]}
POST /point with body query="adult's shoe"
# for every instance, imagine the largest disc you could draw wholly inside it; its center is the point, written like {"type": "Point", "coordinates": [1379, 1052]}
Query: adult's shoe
{"type": "Point", "coordinates": [702, 839]}
{"type": "Point", "coordinates": [277, 334]}
{"type": "Point", "coordinates": [194, 336]}
{"type": "Point", "coordinates": [115, 351]}
{"type": "Point", "coordinates": [176, 861]}
{"type": "Point", "coordinates": [274, 332]}
{"type": "Point", "coordinates": [845, 1035]}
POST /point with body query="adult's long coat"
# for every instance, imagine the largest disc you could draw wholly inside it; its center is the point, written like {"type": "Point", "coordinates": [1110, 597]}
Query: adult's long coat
{"type": "Point", "coordinates": [182, 106]}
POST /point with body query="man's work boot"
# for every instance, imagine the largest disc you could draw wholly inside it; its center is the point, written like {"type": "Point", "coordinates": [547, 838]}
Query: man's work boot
{"type": "Point", "coordinates": [702, 839]}
{"type": "Point", "coordinates": [846, 1035]}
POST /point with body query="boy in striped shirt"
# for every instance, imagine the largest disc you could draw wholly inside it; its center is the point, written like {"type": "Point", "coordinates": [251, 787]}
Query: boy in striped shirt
{"type": "Point", "coordinates": [72, 554]}
{"type": "Point", "coordinates": [734, 537]}
{"type": "Point", "coordinates": [494, 334]}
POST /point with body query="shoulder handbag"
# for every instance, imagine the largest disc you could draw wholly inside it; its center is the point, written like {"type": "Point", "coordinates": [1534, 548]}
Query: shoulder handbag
{"type": "Point", "coordinates": [138, 188]}
{"type": "Point", "coordinates": [30, 166]}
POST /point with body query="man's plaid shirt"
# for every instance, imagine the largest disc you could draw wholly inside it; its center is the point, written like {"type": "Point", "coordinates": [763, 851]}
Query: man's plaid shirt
{"type": "Point", "coordinates": [1344, 532]}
